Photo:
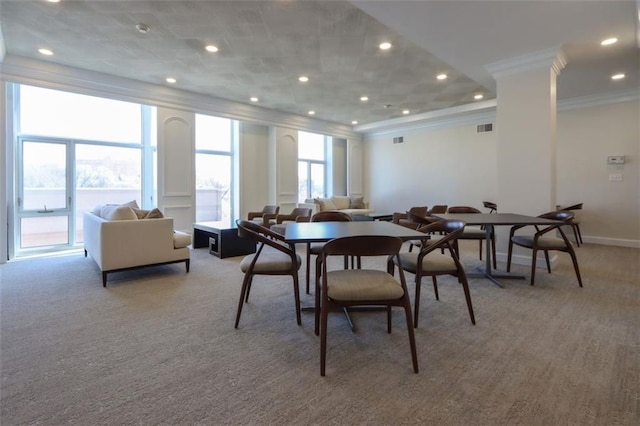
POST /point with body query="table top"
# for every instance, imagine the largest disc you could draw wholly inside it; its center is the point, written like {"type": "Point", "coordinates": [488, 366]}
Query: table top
{"type": "Point", "coordinates": [497, 219]}
{"type": "Point", "coordinates": [215, 225]}
{"type": "Point", "coordinates": [311, 232]}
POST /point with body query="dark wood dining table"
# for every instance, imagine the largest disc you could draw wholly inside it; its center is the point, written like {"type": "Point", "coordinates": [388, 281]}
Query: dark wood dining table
{"type": "Point", "coordinates": [489, 221]}
{"type": "Point", "coordinates": [316, 232]}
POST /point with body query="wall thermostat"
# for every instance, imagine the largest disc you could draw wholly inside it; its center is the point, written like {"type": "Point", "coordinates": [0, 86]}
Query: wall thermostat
{"type": "Point", "coordinates": [615, 159]}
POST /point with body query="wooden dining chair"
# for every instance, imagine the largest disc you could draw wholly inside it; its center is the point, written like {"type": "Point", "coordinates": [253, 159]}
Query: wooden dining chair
{"type": "Point", "coordinates": [575, 223]}
{"type": "Point", "coordinates": [493, 207]}
{"type": "Point", "coordinates": [476, 233]}
{"type": "Point", "coordinates": [362, 287]}
{"type": "Point", "coordinates": [273, 257]}
{"type": "Point", "coordinates": [543, 241]}
{"type": "Point", "coordinates": [316, 248]}
{"type": "Point", "coordinates": [264, 216]}
{"type": "Point", "coordinates": [436, 257]}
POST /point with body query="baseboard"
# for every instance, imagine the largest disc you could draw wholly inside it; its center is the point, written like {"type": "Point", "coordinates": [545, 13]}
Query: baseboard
{"type": "Point", "coordinates": [524, 260]}
{"type": "Point", "coordinates": [620, 242]}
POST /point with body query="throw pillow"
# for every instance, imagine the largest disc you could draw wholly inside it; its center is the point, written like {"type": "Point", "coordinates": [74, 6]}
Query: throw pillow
{"type": "Point", "coordinates": [154, 214]}
{"type": "Point", "coordinates": [356, 203]}
{"type": "Point", "coordinates": [142, 214]}
{"type": "Point", "coordinates": [133, 204]}
{"type": "Point", "coordinates": [118, 213]}
{"type": "Point", "coordinates": [325, 204]}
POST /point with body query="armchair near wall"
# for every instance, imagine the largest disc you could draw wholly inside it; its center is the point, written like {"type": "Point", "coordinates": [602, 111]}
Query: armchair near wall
{"type": "Point", "coordinates": [263, 217]}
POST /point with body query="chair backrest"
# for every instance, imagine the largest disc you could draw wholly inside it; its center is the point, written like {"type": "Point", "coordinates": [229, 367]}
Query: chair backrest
{"type": "Point", "coordinates": [438, 208]}
{"type": "Point", "coordinates": [271, 209]}
{"type": "Point", "coordinates": [301, 212]}
{"type": "Point", "coordinates": [423, 220]}
{"type": "Point", "coordinates": [572, 207]}
{"type": "Point", "coordinates": [363, 245]}
{"type": "Point", "coordinates": [463, 209]}
{"type": "Point", "coordinates": [493, 207]}
{"type": "Point", "coordinates": [563, 215]}
{"type": "Point", "coordinates": [264, 236]}
{"type": "Point", "coordinates": [450, 229]}
{"type": "Point", "coordinates": [331, 216]}
{"type": "Point", "coordinates": [418, 210]}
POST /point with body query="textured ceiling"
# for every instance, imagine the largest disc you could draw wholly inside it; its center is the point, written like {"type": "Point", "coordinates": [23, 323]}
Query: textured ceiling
{"type": "Point", "coordinates": [264, 47]}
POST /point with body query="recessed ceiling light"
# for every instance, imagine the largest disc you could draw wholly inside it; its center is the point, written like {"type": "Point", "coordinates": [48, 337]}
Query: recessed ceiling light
{"type": "Point", "coordinates": [441, 76]}
{"type": "Point", "coordinates": [211, 48]}
{"type": "Point", "coordinates": [53, 1]}
{"type": "Point", "coordinates": [143, 28]}
{"type": "Point", "coordinates": [254, 99]}
{"type": "Point", "coordinates": [312, 112]}
{"type": "Point", "coordinates": [387, 106]}
{"type": "Point", "coordinates": [46, 52]}
{"type": "Point", "coordinates": [354, 122]}
{"type": "Point", "coordinates": [405, 111]}
{"type": "Point", "coordinates": [609, 41]}
{"type": "Point", "coordinates": [170, 80]}
{"type": "Point", "coordinates": [478, 96]}
{"type": "Point", "coordinates": [619, 76]}
{"type": "Point", "coordinates": [364, 98]}
{"type": "Point", "coordinates": [385, 46]}
{"type": "Point", "coordinates": [303, 79]}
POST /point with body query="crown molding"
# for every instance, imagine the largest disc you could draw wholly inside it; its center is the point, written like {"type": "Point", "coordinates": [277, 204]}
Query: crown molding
{"type": "Point", "coordinates": [599, 100]}
{"type": "Point", "coordinates": [553, 58]}
{"type": "Point", "coordinates": [447, 117]}
{"type": "Point", "coordinates": [19, 69]}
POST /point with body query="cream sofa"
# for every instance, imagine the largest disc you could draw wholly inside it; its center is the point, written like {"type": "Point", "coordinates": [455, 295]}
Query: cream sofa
{"type": "Point", "coordinates": [350, 205]}
{"type": "Point", "coordinates": [120, 241]}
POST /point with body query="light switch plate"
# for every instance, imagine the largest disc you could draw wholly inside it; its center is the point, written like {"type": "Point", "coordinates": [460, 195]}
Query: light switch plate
{"type": "Point", "coordinates": [615, 177]}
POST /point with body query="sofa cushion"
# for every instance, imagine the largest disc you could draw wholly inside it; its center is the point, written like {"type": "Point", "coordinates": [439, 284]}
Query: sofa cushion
{"type": "Point", "coordinates": [181, 239]}
{"type": "Point", "coordinates": [325, 204]}
{"type": "Point", "coordinates": [356, 203]}
{"type": "Point", "coordinates": [154, 214]}
{"type": "Point", "coordinates": [341, 201]}
{"type": "Point", "coordinates": [132, 204]}
{"type": "Point", "coordinates": [118, 213]}
{"type": "Point", "coordinates": [140, 213]}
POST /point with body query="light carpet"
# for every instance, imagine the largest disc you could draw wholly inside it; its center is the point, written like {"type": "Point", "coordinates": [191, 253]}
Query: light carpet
{"type": "Point", "coordinates": [157, 346]}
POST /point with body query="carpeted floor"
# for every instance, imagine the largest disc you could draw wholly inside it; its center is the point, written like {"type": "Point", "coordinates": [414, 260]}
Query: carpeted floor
{"type": "Point", "coordinates": [157, 346]}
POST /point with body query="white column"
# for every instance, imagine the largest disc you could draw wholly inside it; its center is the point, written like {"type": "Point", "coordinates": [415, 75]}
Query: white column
{"type": "Point", "coordinates": [526, 134]}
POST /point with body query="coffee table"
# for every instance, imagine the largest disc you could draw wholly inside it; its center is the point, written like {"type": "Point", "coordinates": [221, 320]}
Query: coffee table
{"type": "Point", "coordinates": [222, 239]}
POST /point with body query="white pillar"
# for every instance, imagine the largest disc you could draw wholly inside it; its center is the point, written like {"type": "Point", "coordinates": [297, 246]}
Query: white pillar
{"type": "Point", "coordinates": [526, 133]}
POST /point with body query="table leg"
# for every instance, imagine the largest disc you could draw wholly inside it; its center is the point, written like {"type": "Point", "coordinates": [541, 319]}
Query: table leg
{"type": "Point", "coordinates": [488, 270]}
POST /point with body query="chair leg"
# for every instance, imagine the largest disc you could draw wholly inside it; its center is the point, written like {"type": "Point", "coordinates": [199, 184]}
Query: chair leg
{"type": "Point", "coordinates": [187, 264]}
{"type": "Point", "coordinates": [435, 286]}
{"type": "Point", "coordinates": [546, 258]}
{"type": "Point", "coordinates": [296, 292]}
{"type": "Point", "coordinates": [245, 284]}
{"type": "Point", "coordinates": [389, 319]}
{"type": "Point", "coordinates": [416, 307]}
{"type": "Point", "coordinates": [248, 288]}
{"type": "Point", "coordinates": [308, 265]}
{"type": "Point", "coordinates": [574, 259]}
{"type": "Point", "coordinates": [533, 265]}
{"type": "Point", "coordinates": [323, 335]}
{"type": "Point", "coordinates": [576, 234]}
{"type": "Point", "coordinates": [480, 248]}
{"type": "Point", "coordinates": [412, 339]}
{"type": "Point", "coordinates": [509, 256]}
{"type": "Point", "coordinates": [579, 234]}
{"type": "Point", "coordinates": [467, 295]}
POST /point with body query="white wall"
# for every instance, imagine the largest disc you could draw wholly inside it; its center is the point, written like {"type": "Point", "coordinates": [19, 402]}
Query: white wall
{"type": "Point", "coordinates": [586, 137]}
{"type": "Point", "coordinates": [455, 165]}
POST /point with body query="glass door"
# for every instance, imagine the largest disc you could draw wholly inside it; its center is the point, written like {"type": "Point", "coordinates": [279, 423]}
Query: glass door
{"type": "Point", "coordinates": [44, 203]}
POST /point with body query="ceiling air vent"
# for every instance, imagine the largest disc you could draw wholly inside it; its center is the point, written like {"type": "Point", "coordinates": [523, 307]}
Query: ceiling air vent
{"type": "Point", "coordinates": [398, 139]}
{"type": "Point", "coordinates": [485, 127]}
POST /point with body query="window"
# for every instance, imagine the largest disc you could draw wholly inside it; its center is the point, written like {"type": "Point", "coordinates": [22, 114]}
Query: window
{"type": "Point", "coordinates": [214, 156]}
{"type": "Point", "coordinates": [75, 152]}
{"type": "Point", "coordinates": [311, 166]}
